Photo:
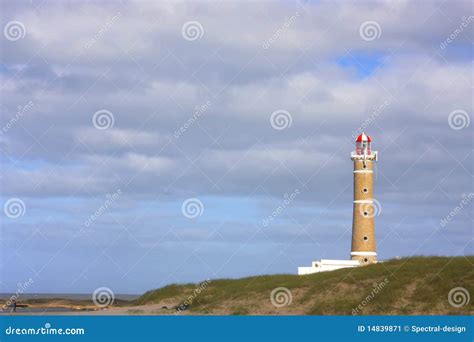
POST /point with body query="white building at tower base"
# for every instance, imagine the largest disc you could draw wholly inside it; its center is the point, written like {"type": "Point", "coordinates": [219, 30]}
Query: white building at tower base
{"type": "Point", "coordinates": [327, 265]}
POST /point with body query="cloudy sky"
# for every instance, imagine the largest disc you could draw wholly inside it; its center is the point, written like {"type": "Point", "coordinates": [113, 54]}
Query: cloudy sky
{"type": "Point", "coordinates": [146, 143]}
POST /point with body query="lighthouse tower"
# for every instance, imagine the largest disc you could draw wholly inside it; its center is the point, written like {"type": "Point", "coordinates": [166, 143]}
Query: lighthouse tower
{"type": "Point", "coordinates": [363, 237]}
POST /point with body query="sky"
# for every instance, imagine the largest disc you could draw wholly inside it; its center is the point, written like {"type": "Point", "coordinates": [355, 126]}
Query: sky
{"type": "Point", "coordinates": [147, 143]}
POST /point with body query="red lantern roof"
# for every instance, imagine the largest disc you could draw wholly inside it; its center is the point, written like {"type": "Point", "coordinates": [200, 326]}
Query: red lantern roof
{"type": "Point", "coordinates": [363, 137]}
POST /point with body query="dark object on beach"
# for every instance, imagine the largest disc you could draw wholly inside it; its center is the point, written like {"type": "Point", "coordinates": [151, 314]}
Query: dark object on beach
{"type": "Point", "coordinates": [15, 305]}
{"type": "Point", "coordinates": [18, 306]}
{"type": "Point", "coordinates": [182, 307]}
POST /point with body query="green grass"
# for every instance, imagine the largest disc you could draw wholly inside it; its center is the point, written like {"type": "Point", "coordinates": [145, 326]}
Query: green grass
{"type": "Point", "coordinates": [417, 285]}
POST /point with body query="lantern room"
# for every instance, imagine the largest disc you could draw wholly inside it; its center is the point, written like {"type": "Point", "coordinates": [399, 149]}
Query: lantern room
{"type": "Point", "coordinates": [363, 145]}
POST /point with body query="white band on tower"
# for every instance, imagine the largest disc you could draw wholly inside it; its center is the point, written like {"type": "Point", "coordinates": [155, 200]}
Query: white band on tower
{"type": "Point", "coordinates": [363, 171]}
{"type": "Point", "coordinates": [364, 253]}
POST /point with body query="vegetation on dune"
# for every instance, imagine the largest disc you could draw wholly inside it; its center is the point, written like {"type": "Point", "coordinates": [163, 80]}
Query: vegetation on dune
{"type": "Point", "coordinates": [417, 285]}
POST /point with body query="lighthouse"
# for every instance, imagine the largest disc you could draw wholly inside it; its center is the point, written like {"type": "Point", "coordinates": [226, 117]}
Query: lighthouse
{"type": "Point", "coordinates": [364, 209]}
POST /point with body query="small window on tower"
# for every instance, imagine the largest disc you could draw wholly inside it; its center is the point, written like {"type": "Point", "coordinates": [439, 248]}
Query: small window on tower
{"type": "Point", "coordinates": [366, 213]}
{"type": "Point", "coordinates": [366, 238]}
{"type": "Point", "coordinates": [365, 190]}
{"type": "Point", "coordinates": [365, 259]}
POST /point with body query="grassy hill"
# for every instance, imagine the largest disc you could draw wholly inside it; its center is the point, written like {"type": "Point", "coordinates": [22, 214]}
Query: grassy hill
{"type": "Point", "coordinates": [418, 285]}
